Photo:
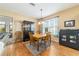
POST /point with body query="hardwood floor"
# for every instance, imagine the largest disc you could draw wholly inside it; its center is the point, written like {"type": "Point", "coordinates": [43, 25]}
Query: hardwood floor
{"type": "Point", "coordinates": [19, 49]}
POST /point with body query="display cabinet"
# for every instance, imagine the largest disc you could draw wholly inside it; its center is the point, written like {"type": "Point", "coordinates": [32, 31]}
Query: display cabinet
{"type": "Point", "coordinates": [27, 27]}
{"type": "Point", "coordinates": [69, 38]}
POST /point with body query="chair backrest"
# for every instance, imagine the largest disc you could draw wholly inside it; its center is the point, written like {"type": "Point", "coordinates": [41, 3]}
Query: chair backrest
{"type": "Point", "coordinates": [48, 36]}
{"type": "Point", "coordinates": [18, 35]}
{"type": "Point", "coordinates": [31, 36]}
{"type": "Point", "coordinates": [37, 32]}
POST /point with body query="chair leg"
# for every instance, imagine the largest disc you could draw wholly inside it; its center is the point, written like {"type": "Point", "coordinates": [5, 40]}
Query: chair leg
{"type": "Point", "coordinates": [38, 46]}
{"type": "Point", "coordinates": [30, 43]}
{"type": "Point", "coordinates": [50, 41]}
{"type": "Point", "coordinates": [45, 43]}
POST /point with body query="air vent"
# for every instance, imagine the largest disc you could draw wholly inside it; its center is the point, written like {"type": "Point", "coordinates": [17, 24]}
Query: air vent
{"type": "Point", "coordinates": [32, 4]}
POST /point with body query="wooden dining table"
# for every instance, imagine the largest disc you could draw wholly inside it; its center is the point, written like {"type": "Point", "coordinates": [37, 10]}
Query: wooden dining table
{"type": "Point", "coordinates": [39, 37]}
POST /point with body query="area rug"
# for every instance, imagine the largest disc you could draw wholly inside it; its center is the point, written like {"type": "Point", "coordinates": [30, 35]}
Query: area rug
{"type": "Point", "coordinates": [34, 50]}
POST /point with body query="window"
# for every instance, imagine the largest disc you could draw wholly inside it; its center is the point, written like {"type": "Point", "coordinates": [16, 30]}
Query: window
{"type": "Point", "coordinates": [45, 26]}
{"type": "Point", "coordinates": [11, 26]}
{"type": "Point", "coordinates": [2, 26]}
{"type": "Point", "coordinates": [51, 26]}
{"type": "Point", "coordinates": [32, 27]}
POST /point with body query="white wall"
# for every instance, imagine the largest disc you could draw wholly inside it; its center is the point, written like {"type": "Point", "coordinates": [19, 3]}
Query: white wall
{"type": "Point", "coordinates": [17, 18]}
{"type": "Point", "coordinates": [17, 25]}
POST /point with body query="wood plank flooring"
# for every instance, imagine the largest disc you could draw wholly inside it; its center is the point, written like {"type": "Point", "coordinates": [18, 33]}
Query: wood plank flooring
{"type": "Point", "coordinates": [19, 49]}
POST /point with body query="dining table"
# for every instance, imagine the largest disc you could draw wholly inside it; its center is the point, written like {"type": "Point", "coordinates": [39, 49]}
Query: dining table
{"type": "Point", "coordinates": [38, 38]}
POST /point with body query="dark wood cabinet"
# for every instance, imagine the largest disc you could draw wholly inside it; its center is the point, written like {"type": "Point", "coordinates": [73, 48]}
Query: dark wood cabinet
{"type": "Point", "coordinates": [27, 27]}
{"type": "Point", "coordinates": [69, 38]}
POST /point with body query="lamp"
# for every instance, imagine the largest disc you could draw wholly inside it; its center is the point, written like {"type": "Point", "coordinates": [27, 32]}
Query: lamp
{"type": "Point", "coordinates": [41, 22]}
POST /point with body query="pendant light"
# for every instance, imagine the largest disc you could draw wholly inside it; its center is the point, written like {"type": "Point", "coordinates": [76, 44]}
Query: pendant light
{"type": "Point", "coordinates": [40, 22]}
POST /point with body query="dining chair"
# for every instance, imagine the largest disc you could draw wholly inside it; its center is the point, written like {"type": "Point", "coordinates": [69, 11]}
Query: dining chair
{"type": "Point", "coordinates": [18, 36]}
{"type": "Point", "coordinates": [47, 39]}
{"type": "Point", "coordinates": [32, 39]}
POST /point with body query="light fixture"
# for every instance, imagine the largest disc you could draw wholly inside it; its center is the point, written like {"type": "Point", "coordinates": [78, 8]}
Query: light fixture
{"type": "Point", "coordinates": [41, 22]}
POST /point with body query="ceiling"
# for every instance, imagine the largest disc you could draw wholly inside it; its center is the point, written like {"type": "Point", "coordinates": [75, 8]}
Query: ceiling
{"type": "Point", "coordinates": [28, 10]}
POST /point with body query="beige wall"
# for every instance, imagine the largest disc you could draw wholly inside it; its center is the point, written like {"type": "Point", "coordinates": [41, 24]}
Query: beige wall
{"type": "Point", "coordinates": [68, 14]}
{"type": "Point", "coordinates": [38, 26]}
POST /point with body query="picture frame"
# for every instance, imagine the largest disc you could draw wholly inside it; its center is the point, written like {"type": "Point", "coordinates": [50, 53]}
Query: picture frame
{"type": "Point", "coordinates": [70, 23]}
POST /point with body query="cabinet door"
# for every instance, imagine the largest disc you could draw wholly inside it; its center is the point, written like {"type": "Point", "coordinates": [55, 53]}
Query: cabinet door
{"type": "Point", "coordinates": [63, 37]}
{"type": "Point", "coordinates": [73, 39]}
{"type": "Point", "coordinates": [77, 40]}
{"type": "Point", "coordinates": [72, 36]}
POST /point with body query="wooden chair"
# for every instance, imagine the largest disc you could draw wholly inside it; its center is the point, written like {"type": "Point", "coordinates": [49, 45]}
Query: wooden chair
{"type": "Point", "coordinates": [47, 39]}
{"type": "Point", "coordinates": [18, 36]}
{"type": "Point", "coordinates": [32, 39]}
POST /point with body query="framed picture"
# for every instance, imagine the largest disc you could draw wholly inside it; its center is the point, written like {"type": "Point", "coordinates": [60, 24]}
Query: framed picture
{"type": "Point", "coordinates": [70, 23]}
